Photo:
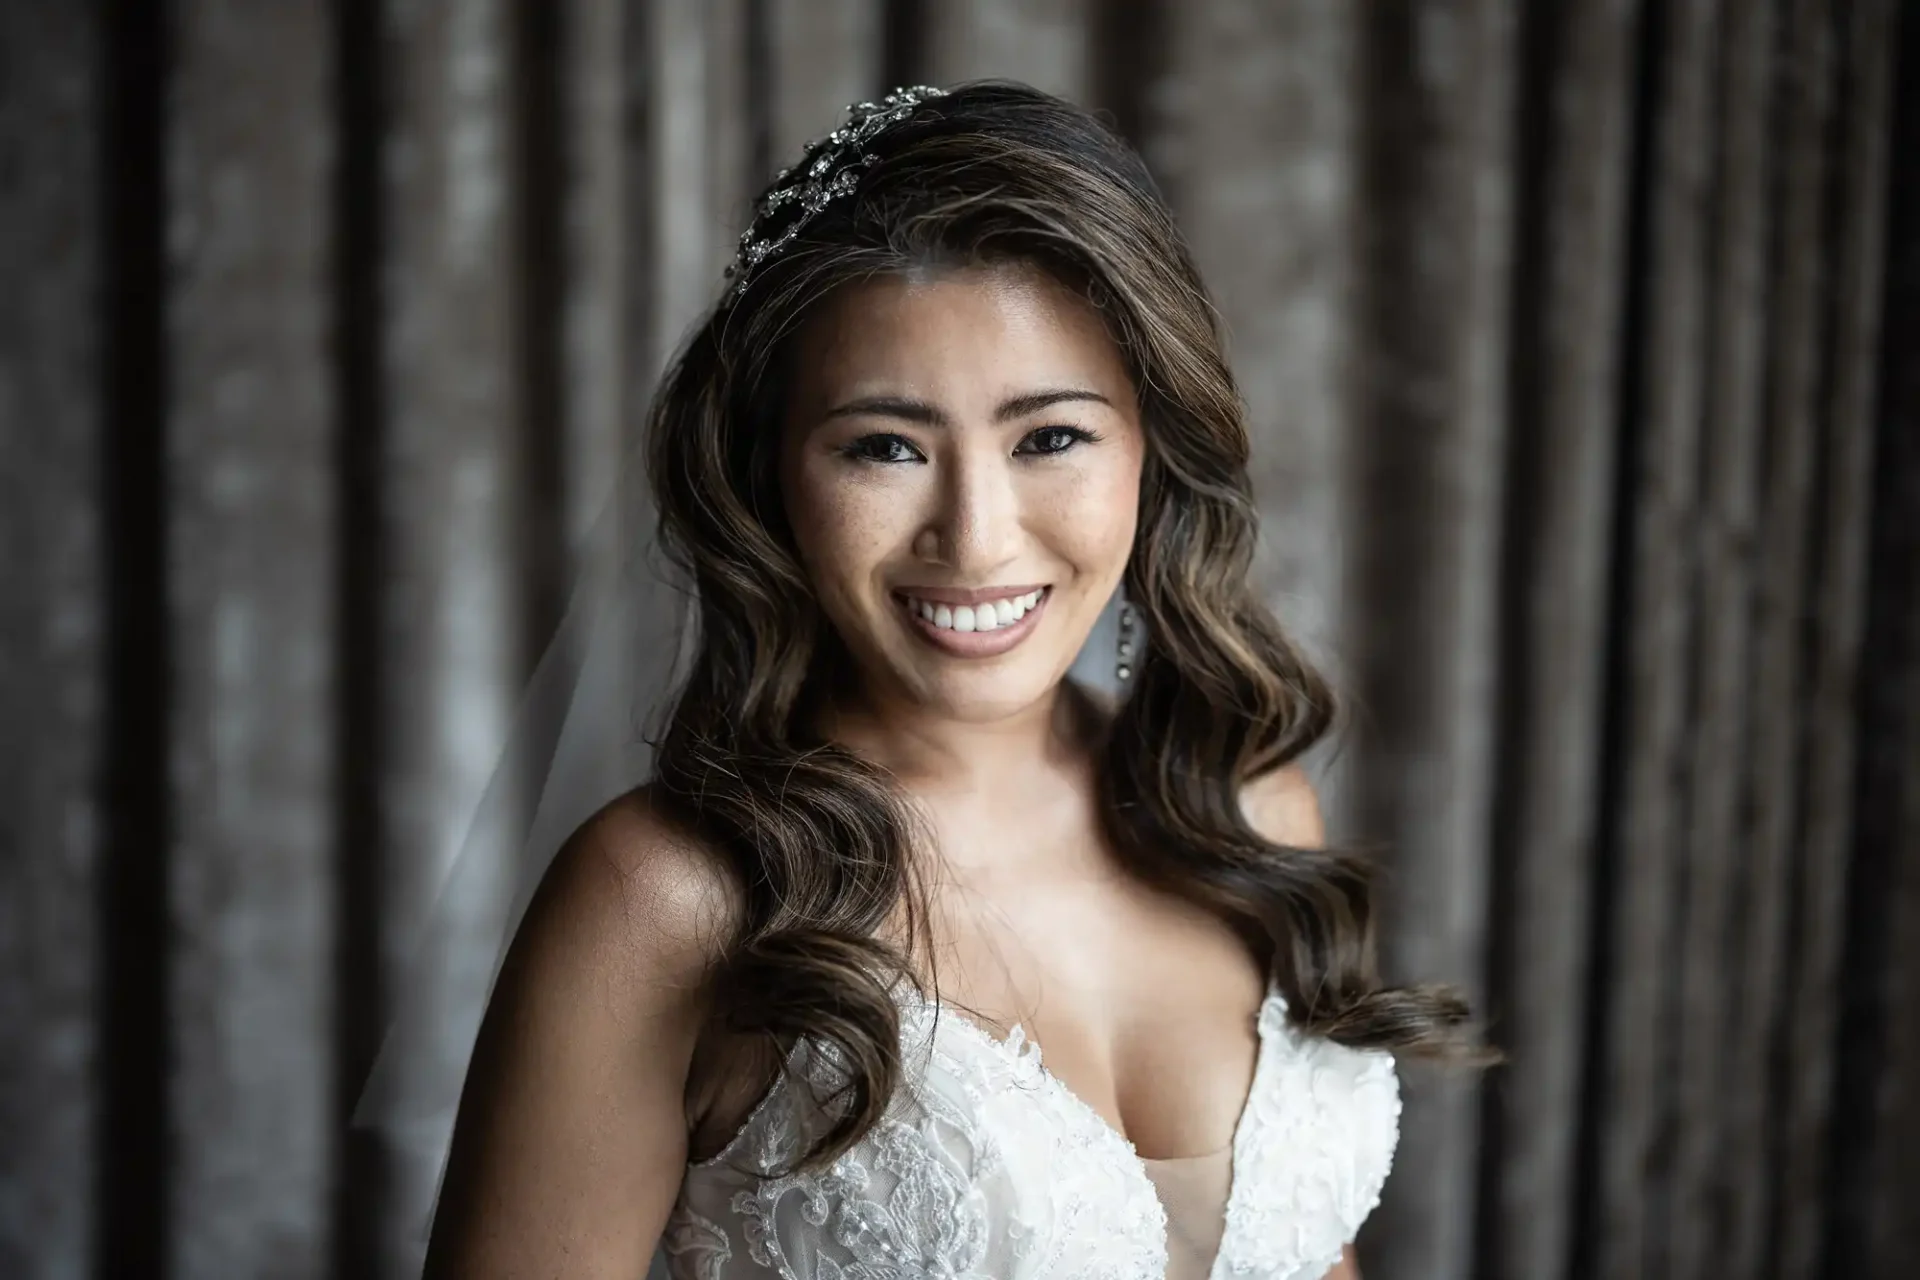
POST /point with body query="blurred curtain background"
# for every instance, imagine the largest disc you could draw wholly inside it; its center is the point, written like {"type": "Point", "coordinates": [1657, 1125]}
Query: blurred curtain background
{"type": "Point", "coordinates": [1582, 346]}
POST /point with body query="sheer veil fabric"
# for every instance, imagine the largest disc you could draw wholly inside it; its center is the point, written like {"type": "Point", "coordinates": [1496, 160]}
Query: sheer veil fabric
{"type": "Point", "coordinates": [580, 737]}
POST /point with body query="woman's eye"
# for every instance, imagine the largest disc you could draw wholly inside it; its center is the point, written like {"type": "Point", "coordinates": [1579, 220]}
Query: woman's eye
{"type": "Point", "coordinates": [882, 448]}
{"type": "Point", "coordinates": [1053, 440]}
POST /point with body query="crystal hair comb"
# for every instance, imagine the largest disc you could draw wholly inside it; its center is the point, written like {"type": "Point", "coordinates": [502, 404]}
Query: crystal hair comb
{"type": "Point", "coordinates": [829, 168]}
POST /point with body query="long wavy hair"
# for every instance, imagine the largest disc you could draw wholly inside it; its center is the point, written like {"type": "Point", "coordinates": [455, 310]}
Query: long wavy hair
{"type": "Point", "coordinates": [818, 838]}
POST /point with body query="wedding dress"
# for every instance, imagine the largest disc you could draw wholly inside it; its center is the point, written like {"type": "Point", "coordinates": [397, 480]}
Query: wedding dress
{"type": "Point", "coordinates": [986, 1166]}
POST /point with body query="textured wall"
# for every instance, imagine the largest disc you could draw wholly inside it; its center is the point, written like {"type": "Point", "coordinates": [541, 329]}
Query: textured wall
{"type": "Point", "coordinates": [1576, 343]}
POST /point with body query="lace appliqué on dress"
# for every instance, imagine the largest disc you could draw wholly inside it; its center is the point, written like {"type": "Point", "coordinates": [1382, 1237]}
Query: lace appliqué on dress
{"type": "Point", "coordinates": [698, 1245]}
{"type": "Point", "coordinates": [895, 1206]}
{"type": "Point", "coordinates": [987, 1166]}
{"type": "Point", "coordinates": [1311, 1156]}
{"type": "Point", "coordinates": [1103, 1220]}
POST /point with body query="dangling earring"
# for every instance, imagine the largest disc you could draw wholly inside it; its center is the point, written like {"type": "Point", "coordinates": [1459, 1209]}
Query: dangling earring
{"type": "Point", "coordinates": [1124, 669]}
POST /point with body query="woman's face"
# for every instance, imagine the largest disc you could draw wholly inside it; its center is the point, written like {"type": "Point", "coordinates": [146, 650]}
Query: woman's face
{"type": "Point", "coordinates": [961, 468]}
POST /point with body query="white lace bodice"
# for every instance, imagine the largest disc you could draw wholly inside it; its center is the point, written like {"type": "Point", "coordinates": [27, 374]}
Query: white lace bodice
{"type": "Point", "coordinates": [986, 1167]}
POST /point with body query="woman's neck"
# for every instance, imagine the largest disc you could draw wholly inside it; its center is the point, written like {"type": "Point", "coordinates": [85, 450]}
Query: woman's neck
{"type": "Point", "coordinates": [930, 752]}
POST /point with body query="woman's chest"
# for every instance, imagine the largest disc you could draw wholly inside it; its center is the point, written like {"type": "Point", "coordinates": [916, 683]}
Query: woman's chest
{"type": "Point", "coordinates": [1145, 1004]}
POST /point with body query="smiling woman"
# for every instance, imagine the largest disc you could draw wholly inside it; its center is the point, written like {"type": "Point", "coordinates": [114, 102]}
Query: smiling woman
{"type": "Point", "coordinates": [960, 448]}
{"type": "Point", "coordinates": [779, 1012]}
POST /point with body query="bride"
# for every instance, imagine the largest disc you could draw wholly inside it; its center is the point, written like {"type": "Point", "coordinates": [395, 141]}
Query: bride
{"type": "Point", "coordinates": [781, 1011]}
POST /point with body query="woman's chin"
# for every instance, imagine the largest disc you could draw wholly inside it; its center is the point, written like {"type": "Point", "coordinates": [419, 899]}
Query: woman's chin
{"type": "Point", "coordinates": [982, 697]}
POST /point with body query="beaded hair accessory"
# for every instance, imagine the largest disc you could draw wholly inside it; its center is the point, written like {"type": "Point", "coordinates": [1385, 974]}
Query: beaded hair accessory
{"type": "Point", "coordinates": [829, 168]}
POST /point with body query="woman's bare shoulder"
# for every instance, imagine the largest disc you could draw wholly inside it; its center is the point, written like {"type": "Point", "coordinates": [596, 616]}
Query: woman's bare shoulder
{"type": "Point", "coordinates": [591, 1030]}
{"type": "Point", "coordinates": [640, 889]}
{"type": "Point", "coordinates": [1282, 806]}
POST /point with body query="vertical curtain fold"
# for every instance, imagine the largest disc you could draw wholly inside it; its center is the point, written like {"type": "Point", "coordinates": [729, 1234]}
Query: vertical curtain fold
{"type": "Point", "coordinates": [1574, 150]}
{"type": "Point", "coordinates": [250, 537]}
{"type": "Point", "coordinates": [1643, 850]}
{"type": "Point", "coordinates": [54, 616]}
{"type": "Point", "coordinates": [1429, 426]}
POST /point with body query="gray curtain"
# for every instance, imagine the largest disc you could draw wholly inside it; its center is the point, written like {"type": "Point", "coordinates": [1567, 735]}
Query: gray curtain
{"type": "Point", "coordinates": [1579, 344]}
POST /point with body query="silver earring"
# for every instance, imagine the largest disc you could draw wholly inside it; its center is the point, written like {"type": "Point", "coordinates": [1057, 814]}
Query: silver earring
{"type": "Point", "coordinates": [1124, 669]}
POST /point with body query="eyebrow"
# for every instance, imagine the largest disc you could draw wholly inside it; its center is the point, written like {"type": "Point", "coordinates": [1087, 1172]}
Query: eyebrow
{"type": "Point", "coordinates": [932, 415]}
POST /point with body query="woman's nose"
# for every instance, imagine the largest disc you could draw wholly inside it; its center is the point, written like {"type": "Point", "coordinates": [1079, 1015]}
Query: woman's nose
{"type": "Point", "coordinates": [977, 524]}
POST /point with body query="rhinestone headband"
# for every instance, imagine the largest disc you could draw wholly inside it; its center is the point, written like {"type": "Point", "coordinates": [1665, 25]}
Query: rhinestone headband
{"type": "Point", "coordinates": [829, 168]}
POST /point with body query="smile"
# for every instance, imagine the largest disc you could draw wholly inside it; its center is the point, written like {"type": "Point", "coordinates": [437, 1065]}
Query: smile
{"type": "Point", "coordinates": [983, 627]}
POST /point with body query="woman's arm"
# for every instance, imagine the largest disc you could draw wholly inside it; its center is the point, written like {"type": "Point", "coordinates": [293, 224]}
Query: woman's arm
{"type": "Point", "coordinates": [1345, 1269]}
{"type": "Point", "coordinates": [572, 1136]}
{"type": "Point", "coordinates": [1282, 807]}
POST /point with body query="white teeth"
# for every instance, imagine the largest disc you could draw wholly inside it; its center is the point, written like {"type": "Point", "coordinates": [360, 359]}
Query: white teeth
{"type": "Point", "coordinates": [989, 616]}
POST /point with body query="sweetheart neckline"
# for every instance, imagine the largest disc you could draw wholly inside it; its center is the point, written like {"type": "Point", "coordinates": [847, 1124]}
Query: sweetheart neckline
{"type": "Point", "coordinates": [1016, 1042]}
{"type": "Point", "coordinates": [1286, 1182]}
{"type": "Point", "coordinates": [1002, 1046]}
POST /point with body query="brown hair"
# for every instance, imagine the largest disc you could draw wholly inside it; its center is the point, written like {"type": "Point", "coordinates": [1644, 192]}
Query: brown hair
{"type": "Point", "coordinates": [818, 838]}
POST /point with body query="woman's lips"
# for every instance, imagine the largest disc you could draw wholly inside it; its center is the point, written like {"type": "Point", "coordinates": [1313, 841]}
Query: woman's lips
{"type": "Point", "coordinates": [973, 644]}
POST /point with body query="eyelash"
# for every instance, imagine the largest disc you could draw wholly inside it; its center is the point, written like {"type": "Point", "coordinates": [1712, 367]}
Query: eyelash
{"type": "Point", "coordinates": [1075, 436]}
{"type": "Point", "coordinates": [867, 448]}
